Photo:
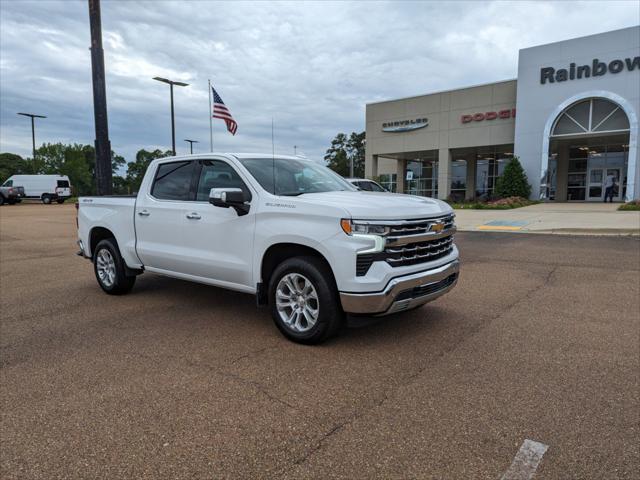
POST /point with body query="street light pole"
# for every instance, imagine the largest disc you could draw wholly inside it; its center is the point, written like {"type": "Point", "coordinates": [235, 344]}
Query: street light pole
{"type": "Point", "coordinates": [33, 130]}
{"type": "Point", "coordinates": [102, 144]}
{"type": "Point", "coordinates": [173, 124]}
{"type": "Point", "coordinates": [191, 142]}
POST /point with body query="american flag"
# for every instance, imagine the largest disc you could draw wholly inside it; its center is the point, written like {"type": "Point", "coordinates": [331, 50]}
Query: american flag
{"type": "Point", "coordinates": [221, 111]}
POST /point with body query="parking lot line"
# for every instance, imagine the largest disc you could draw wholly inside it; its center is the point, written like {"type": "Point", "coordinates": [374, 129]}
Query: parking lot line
{"type": "Point", "coordinates": [526, 461]}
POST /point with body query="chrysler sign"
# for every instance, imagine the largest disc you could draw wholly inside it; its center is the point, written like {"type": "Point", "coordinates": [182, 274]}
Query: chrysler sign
{"type": "Point", "coordinates": [405, 125]}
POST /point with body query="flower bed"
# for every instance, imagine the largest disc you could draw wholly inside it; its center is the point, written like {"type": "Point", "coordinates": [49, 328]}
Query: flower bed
{"type": "Point", "coordinates": [633, 205]}
{"type": "Point", "coordinates": [498, 204]}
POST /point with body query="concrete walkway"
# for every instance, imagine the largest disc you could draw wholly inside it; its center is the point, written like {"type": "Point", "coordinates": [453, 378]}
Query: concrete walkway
{"type": "Point", "coordinates": [564, 218]}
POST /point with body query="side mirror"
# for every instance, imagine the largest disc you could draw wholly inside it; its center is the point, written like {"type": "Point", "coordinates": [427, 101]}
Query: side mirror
{"type": "Point", "coordinates": [229, 197]}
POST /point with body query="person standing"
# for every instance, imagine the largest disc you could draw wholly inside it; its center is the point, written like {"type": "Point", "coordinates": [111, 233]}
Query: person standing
{"type": "Point", "coordinates": [609, 187]}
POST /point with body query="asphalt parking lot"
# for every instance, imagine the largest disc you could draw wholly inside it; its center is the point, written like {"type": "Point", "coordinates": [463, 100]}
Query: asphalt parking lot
{"type": "Point", "coordinates": [540, 340]}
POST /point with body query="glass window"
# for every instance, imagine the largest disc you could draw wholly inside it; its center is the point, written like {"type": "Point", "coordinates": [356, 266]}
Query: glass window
{"type": "Point", "coordinates": [592, 115]}
{"type": "Point", "coordinates": [173, 181]}
{"type": "Point", "coordinates": [374, 187]}
{"type": "Point", "coordinates": [458, 179]}
{"type": "Point", "coordinates": [389, 181]}
{"type": "Point", "coordinates": [218, 174]}
{"type": "Point", "coordinates": [63, 183]}
{"type": "Point", "coordinates": [8, 183]}
{"type": "Point", "coordinates": [617, 121]}
{"type": "Point", "coordinates": [294, 177]}
{"type": "Point", "coordinates": [366, 186]}
{"type": "Point", "coordinates": [490, 164]}
{"type": "Point", "coordinates": [424, 177]}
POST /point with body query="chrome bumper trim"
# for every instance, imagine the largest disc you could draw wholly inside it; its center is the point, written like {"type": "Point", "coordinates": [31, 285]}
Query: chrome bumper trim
{"type": "Point", "coordinates": [383, 303]}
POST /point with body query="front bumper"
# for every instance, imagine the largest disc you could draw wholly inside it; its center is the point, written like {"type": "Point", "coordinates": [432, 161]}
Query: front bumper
{"type": "Point", "coordinates": [404, 293]}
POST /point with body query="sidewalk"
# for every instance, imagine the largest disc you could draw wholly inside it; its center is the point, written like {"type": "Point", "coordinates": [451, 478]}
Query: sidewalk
{"type": "Point", "coordinates": [564, 218]}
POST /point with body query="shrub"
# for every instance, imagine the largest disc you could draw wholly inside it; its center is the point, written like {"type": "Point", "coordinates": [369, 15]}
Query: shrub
{"type": "Point", "coordinates": [633, 205]}
{"type": "Point", "coordinates": [513, 182]}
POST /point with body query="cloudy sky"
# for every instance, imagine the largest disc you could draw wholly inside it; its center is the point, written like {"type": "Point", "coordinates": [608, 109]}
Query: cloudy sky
{"type": "Point", "coordinates": [311, 66]}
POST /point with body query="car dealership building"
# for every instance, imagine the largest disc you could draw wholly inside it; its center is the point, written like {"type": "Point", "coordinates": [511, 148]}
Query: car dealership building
{"type": "Point", "coordinates": [571, 117]}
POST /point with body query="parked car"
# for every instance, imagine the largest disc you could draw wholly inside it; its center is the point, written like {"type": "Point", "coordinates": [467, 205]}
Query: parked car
{"type": "Point", "coordinates": [367, 185]}
{"type": "Point", "coordinates": [292, 232]}
{"type": "Point", "coordinates": [10, 194]}
{"type": "Point", "coordinates": [47, 188]}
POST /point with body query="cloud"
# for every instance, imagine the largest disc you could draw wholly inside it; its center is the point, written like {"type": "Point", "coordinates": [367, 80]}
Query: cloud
{"type": "Point", "coordinates": [311, 66]}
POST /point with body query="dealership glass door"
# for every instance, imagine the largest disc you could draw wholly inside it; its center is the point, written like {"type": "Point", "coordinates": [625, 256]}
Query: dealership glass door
{"type": "Point", "coordinates": [596, 188]}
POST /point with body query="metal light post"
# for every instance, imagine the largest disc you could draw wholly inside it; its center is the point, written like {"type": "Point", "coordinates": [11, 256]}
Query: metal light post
{"type": "Point", "coordinates": [173, 123]}
{"type": "Point", "coordinates": [191, 142]}
{"type": "Point", "coordinates": [104, 180]}
{"type": "Point", "coordinates": [33, 129]}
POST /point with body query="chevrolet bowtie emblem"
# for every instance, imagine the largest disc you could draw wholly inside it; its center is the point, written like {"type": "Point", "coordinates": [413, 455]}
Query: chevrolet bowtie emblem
{"type": "Point", "coordinates": [436, 227]}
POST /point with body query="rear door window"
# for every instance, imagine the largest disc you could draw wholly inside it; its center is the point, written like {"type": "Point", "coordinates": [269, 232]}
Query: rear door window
{"type": "Point", "coordinates": [173, 181]}
{"type": "Point", "coordinates": [63, 183]}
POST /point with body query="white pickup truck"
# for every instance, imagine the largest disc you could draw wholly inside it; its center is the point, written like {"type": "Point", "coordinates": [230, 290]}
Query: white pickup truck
{"type": "Point", "coordinates": [305, 241]}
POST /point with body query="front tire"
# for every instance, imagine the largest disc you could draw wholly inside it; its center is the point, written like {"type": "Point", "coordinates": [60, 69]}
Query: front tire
{"type": "Point", "coordinates": [60, 200]}
{"type": "Point", "coordinates": [304, 300]}
{"type": "Point", "coordinates": [1, 200]}
{"type": "Point", "coordinates": [110, 269]}
{"type": "Point", "coordinates": [46, 199]}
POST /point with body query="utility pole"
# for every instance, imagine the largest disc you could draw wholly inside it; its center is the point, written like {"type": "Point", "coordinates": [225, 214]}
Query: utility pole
{"type": "Point", "coordinates": [102, 143]}
{"type": "Point", "coordinates": [33, 131]}
{"type": "Point", "coordinates": [173, 122]}
{"type": "Point", "coordinates": [191, 142]}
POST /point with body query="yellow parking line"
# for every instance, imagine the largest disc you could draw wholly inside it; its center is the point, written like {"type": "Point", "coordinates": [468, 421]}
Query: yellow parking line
{"type": "Point", "coordinates": [498, 227]}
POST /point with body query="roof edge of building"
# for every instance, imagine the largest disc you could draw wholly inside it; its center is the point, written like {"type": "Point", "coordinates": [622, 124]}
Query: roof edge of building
{"type": "Point", "coordinates": [443, 91]}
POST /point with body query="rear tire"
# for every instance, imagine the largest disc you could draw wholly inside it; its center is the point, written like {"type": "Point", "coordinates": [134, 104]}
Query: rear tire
{"type": "Point", "coordinates": [60, 200]}
{"type": "Point", "coordinates": [110, 269]}
{"type": "Point", "coordinates": [46, 199]}
{"type": "Point", "coordinates": [304, 300]}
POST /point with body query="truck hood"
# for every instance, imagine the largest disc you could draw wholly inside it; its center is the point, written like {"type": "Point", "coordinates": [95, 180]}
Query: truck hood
{"type": "Point", "coordinates": [379, 206]}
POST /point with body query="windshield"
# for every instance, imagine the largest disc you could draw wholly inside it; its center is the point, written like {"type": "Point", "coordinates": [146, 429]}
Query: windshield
{"type": "Point", "coordinates": [294, 177]}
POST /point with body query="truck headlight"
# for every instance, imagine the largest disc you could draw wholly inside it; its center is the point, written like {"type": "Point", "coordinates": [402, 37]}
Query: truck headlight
{"type": "Point", "coordinates": [358, 227]}
{"type": "Point", "coordinates": [366, 230]}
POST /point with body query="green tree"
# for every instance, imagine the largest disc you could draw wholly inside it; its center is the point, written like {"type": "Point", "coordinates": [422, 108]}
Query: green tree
{"type": "Point", "coordinates": [343, 150]}
{"type": "Point", "coordinates": [355, 151]}
{"type": "Point", "coordinates": [137, 169]}
{"type": "Point", "coordinates": [12, 164]}
{"type": "Point", "coordinates": [513, 181]}
{"type": "Point", "coordinates": [78, 161]}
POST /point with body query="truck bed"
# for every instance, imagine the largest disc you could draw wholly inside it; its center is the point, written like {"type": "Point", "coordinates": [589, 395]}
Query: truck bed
{"type": "Point", "coordinates": [114, 212]}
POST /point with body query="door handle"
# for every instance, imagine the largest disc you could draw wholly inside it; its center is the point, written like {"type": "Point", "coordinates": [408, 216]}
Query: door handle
{"type": "Point", "coordinates": [193, 216]}
{"type": "Point", "coordinates": [144, 213]}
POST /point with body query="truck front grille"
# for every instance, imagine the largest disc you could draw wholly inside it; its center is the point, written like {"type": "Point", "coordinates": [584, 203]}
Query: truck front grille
{"type": "Point", "coordinates": [401, 251]}
{"type": "Point", "coordinates": [418, 252]}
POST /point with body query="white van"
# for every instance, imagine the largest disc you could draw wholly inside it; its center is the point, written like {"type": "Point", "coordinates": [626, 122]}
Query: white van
{"type": "Point", "coordinates": [47, 188]}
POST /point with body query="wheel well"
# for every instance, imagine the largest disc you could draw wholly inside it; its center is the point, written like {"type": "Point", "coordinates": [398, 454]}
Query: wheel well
{"type": "Point", "coordinates": [278, 253]}
{"type": "Point", "coordinates": [97, 235]}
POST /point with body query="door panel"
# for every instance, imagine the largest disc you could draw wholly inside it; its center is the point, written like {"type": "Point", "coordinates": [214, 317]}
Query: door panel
{"type": "Point", "coordinates": [160, 216]}
{"type": "Point", "coordinates": [218, 242]}
{"type": "Point", "coordinates": [595, 190]}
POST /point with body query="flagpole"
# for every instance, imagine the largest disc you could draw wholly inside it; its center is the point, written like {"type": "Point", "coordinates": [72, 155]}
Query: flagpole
{"type": "Point", "coordinates": [210, 120]}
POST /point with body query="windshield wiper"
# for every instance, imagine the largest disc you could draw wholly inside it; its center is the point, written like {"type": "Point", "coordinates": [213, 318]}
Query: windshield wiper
{"type": "Point", "coordinates": [292, 194]}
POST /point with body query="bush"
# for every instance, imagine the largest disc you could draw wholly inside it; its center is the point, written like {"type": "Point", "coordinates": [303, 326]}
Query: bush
{"type": "Point", "coordinates": [633, 205]}
{"type": "Point", "coordinates": [513, 182]}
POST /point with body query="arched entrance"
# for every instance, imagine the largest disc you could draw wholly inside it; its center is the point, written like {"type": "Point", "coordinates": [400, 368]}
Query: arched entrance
{"type": "Point", "coordinates": [587, 139]}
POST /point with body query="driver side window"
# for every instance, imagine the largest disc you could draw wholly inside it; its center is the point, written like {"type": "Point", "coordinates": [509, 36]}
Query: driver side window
{"type": "Point", "coordinates": [218, 174]}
